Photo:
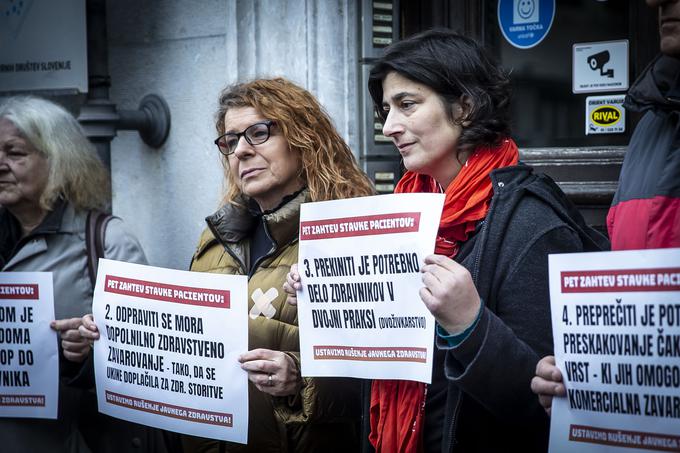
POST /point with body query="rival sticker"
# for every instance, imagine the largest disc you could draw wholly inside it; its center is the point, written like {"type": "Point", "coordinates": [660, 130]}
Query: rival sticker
{"type": "Point", "coordinates": [605, 114]}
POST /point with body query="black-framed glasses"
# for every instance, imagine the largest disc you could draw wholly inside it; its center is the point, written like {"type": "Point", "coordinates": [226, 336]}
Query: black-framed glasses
{"type": "Point", "coordinates": [255, 134]}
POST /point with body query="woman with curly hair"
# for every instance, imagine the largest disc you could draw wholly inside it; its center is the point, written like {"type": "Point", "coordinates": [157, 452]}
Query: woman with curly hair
{"type": "Point", "coordinates": [280, 150]}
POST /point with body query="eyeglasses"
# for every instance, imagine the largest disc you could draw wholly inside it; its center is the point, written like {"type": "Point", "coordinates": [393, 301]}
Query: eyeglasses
{"type": "Point", "coordinates": [255, 134]}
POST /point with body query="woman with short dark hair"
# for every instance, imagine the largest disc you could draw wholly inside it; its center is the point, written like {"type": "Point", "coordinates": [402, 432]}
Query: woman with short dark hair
{"type": "Point", "coordinates": [455, 69]}
{"type": "Point", "coordinates": [444, 103]}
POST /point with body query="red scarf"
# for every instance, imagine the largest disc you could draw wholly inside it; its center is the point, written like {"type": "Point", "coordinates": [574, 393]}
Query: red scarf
{"type": "Point", "coordinates": [398, 407]}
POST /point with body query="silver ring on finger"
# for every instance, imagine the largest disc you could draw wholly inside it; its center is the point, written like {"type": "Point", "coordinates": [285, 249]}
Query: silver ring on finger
{"type": "Point", "coordinates": [270, 381]}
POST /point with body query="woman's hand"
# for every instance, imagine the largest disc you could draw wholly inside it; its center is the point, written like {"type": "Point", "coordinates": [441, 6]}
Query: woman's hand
{"type": "Point", "coordinates": [547, 382]}
{"type": "Point", "coordinates": [272, 372]}
{"type": "Point", "coordinates": [75, 348]}
{"type": "Point", "coordinates": [88, 329]}
{"type": "Point", "coordinates": [449, 293]}
{"type": "Point", "coordinates": [292, 285]}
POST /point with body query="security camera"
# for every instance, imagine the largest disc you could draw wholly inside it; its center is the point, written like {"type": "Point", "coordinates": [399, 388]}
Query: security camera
{"type": "Point", "coordinates": [598, 60]}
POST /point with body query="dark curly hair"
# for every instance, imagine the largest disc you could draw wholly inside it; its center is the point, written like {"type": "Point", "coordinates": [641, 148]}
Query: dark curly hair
{"type": "Point", "coordinates": [452, 65]}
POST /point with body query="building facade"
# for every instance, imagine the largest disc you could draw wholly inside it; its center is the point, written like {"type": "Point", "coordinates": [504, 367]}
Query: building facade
{"type": "Point", "coordinates": [186, 52]}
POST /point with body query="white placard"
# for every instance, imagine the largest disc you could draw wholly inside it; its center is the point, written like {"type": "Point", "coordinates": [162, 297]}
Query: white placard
{"type": "Point", "coordinates": [616, 325]}
{"type": "Point", "coordinates": [600, 66]}
{"type": "Point", "coordinates": [169, 347]}
{"type": "Point", "coordinates": [29, 357]}
{"type": "Point", "coordinates": [359, 311]}
{"type": "Point", "coordinates": [605, 114]}
{"type": "Point", "coordinates": [43, 45]}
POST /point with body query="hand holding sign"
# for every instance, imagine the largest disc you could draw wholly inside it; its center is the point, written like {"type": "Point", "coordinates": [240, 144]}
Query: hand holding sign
{"type": "Point", "coordinates": [547, 382]}
{"type": "Point", "coordinates": [449, 293]}
{"type": "Point", "coordinates": [272, 372]}
{"type": "Point", "coordinates": [75, 347]}
{"type": "Point", "coordinates": [88, 329]}
{"type": "Point", "coordinates": [292, 285]}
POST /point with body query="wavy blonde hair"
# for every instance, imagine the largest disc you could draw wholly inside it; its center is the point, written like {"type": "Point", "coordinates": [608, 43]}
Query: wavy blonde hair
{"type": "Point", "coordinates": [328, 166]}
{"type": "Point", "coordinates": [75, 171]}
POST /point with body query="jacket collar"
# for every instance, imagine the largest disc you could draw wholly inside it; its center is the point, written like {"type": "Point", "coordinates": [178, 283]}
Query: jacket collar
{"type": "Point", "coordinates": [509, 177]}
{"type": "Point", "coordinates": [10, 233]}
{"type": "Point", "coordinates": [50, 224]}
{"type": "Point", "coordinates": [234, 222]}
{"type": "Point", "coordinates": [12, 244]}
{"type": "Point", "coordinates": [657, 87]}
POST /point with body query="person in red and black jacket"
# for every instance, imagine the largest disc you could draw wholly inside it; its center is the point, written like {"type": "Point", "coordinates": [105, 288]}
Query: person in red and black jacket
{"type": "Point", "coordinates": [645, 212]}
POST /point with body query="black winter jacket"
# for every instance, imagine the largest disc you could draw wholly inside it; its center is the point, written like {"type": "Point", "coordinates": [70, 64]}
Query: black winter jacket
{"type": "Point", "coordinates": [645, 212]}
{"type": "Point", "coordinates": [488, 403]}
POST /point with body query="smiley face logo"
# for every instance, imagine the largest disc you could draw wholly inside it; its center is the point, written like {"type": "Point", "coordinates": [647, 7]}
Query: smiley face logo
{"type": "Point", "coordinates": [526, 8]}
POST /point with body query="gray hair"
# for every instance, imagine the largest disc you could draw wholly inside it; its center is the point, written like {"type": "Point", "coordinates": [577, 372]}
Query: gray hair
{"type": "Point", "coordinates": [75, 171]}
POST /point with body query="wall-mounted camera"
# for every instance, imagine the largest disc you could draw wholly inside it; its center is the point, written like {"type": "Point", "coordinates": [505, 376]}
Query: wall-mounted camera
{"type": "Point", "coordinates": [598, 60]}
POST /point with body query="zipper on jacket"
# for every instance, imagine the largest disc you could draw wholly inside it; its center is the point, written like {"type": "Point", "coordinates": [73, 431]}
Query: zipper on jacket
{"type": "Point", "coordinates": [240, 262]}
{"type": "Point", "coordinates": [253, 266]}
{"type": "Point", "coordinates": [270, 253]}
{"type": "Point", "coordinates": [475, 273]}
{"type": "Point", "coordinates": [454, 419]}
{"type": "Point", "coordinates": [475, 268]}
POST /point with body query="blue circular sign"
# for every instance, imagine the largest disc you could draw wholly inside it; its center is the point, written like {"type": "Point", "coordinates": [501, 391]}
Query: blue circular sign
{"type": "Point", "coordinates": [525, 23]}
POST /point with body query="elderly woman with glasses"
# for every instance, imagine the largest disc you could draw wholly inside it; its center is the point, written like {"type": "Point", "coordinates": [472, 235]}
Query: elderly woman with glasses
{"type": "Point", "coordinates": [279, 150]}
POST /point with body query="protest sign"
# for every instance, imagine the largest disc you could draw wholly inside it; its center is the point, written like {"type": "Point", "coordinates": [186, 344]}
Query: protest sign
{"type": "Point", "coordinates": [29, 357]}
{"type": "Point", "coordinates": [616, 326]}
{"type": "Point", "coordinates": [359, 311]}
{"type": "Point", "coordinates": [169, 347]}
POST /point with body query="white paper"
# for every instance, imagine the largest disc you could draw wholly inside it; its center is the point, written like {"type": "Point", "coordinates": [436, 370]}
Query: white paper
{"type": "Point", "coordinates": [359, 311]}
{"type": "Point", "coordinates": [168, 351]}
{"type": "Point", "coordinates": [616, 325]}
{"type": "Point", "coordinates": [29, 356]}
